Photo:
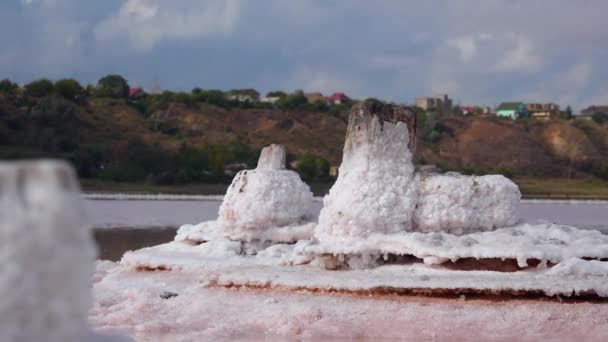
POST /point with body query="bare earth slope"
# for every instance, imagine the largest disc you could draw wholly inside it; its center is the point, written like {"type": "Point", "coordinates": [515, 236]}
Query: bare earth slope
{"type": "Point", "coordinates": [468, 143]}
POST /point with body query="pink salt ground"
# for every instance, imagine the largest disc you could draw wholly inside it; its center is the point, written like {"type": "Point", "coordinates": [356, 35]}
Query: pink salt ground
{"type": "Point", "coordinates": [129, 302]}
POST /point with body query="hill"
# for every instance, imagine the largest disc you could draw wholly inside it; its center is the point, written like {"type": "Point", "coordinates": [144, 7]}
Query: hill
{"type": "Point", "coordinates": [194, 141]}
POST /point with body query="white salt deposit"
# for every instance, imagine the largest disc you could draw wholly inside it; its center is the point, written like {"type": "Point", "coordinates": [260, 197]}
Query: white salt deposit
{"type": "Point", "coordinates": [458, 204]}
{"type": "Point", "coordinates": [274, 267]}
{"type": "Point", "coordinates": [212, 230]}
{"type": "Point", "coordinates": [545, 242]}
{"type": "Point", "coordinates": [46, 253]}
{"type": "Point", "coordinates": [269, 196]}
{"type": "Point", "coordinates": [375, 191]}
{"type": "Point", "coordinates": [129, 302]}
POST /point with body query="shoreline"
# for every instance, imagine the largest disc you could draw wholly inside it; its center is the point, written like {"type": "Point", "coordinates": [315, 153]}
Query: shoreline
{"type": "Point", "coordinates": [556, 189]}
{"type": "Point", "coordinates": [136, 196]}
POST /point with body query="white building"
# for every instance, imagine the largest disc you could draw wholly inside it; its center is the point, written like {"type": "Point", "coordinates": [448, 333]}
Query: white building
{"type": "Point", "coordinates": [440, 103]}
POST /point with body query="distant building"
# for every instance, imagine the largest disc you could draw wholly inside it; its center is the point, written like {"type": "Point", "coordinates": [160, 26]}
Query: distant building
{"type": "Point", "coordinates": [136, 93]}
{"type": "Point", "coordinates": [543, 110]}
{"type": "Point", "coordinates": [244, 95]}
{"type": "Point", "coordinates": [338, 98]}
{"type": "Point", "coordinates": [270, 99]}
{"type": "Point", "coordinates": [513, 110]}
{"type": "Point", "coordinates": [441, 103]}
{"type": "Point", "coordinates": [314, 97]}
{"type": "Point", "coordinates": [474, 110]}
{"type": "Point", "coordinates": [589, 111]}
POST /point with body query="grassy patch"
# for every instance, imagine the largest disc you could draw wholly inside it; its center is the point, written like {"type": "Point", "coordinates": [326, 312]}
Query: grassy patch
{"type": "Point", "coordinates": [557, 188]}
{"type": "Point", "coordinates": [590, 188]}
{"type": "Point", "coordinates": [94, 185]}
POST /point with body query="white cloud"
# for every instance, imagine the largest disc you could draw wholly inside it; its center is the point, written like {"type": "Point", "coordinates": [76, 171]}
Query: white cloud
{"type": "Point", "coordinates": [145, 23]}
{"type": "Point", "coordinates": [520, 56]}
{"type": "Point", "coordinates": [42, 3]}
{"type": "Point", "coordinates": [466, 45]}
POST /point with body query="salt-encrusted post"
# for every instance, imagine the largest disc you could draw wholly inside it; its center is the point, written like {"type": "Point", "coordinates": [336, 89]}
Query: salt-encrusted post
{"type": "Point", "coordinates": [375, 191]}
{"type": "Point", "coordinates": [272, 157]}
{"type": "Point", "coordinates": [267, 197]}
{"type": "Point", "coordinates": [46, 254]}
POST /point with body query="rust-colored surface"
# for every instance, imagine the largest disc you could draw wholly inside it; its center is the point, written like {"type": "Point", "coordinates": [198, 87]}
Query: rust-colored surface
{"type": "Point", "coordinates": [431, 293]}
{"type": "Point", "coordinates": [142, 268]}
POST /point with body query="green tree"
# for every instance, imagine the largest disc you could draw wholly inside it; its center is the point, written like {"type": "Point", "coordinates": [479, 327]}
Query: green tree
{"type": "Point", "coordinates": [40, 88]}
{"type": "Point", "coordinates": [568, 113]}
{"type": "Point", "coordinates": [114, 86]}
{"type": "Point", "coordinates": [8, 87]}
{"type": "Point", "coordinates": [600, 117]}
{"type": "Point", "coordinates": [313, 168]}
{"type": "Point", "coordinates": [69, 89]}
{"type": "Point", "coordinates": [212, 96]}
{"type": "Point", "coordinates": [293, 101]}
{"type": "Point", "coordinates": [276, 93]}
{"type": "Point", "coordinates": [320, 106]}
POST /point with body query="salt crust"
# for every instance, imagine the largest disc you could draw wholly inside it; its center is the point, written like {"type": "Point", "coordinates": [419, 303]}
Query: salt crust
{"type": "Point", "coordinates": [264, 198]}
{"type": "Point", "coordinates": [279, 265]}
{"type": "Point", "coordinates": [213, 230]}
{"type": "Point", "coordinates": [377, 192]}
{"type": "Point", "coordinates": [545, 242]}
{"type": "Point", "coordinates": [129, 302]}
{"type": "Point", "coordinates": [457, 204]}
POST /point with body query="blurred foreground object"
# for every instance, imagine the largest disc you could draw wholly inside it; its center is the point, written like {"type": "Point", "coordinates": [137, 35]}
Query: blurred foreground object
{"type": "Point", "coordinates": [46, 254]}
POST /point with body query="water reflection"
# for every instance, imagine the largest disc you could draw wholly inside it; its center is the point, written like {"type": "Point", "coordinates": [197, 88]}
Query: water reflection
{"type": "Point", "coordinates": [128, 225]}
{"type": "Point", "coordinates": [112, 243]}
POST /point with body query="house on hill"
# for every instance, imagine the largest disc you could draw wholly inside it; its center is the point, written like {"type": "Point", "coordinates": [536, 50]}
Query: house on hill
{"type": "Point", "coordinates": [270, 99]}
{"type": "Point", "coordinates": [589, 111]}
{"type": "Point", "coordinates": [136, 93]}
{"type": "Point", "coordinates": [338, 98]}
{"type": "Point", "coordinates": [442, 103]}
{"type": "Point", "coordinates": [543, 111]}
{"type": "Point", "coordinates": [513, 110]}
{"type": "Point", "coordinates": [244, 95]}
{"type": "Point", "coordinates": [314, 97]}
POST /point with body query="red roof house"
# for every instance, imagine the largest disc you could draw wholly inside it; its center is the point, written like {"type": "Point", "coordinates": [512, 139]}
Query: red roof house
{"type": "Point", "coordinates": [338, 98]}
{"type": "Point", "coordinates": [136, 92]}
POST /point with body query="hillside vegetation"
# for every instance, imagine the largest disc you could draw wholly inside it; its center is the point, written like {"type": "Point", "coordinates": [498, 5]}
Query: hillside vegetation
{"type": "Point", "coordinates": [181, 138]}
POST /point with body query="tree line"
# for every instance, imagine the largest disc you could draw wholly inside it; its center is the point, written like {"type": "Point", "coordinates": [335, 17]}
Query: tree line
{"type": "Point", "coordinates": [53, 128]}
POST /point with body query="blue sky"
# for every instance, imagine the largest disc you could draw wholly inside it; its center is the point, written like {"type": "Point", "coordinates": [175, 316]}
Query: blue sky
{"type": "Point", "coordinates": [478, 51]}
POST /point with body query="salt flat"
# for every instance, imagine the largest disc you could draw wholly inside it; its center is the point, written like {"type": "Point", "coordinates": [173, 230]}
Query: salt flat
{"type": "Point", "coordinates": [130, 302]}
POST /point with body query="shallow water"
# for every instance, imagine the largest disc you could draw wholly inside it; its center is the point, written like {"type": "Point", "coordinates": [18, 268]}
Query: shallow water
{"type": "Point", "coordinates": [127, 225]}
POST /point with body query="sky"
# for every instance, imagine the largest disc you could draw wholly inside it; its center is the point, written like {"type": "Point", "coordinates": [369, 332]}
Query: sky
{"type": "Point", "coordinates": [480, 52]}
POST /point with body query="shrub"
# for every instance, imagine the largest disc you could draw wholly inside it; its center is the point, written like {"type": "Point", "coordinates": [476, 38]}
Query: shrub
{"type": "Point", "coordinates": [54, 111]}
{"type": "Point", "coordinates": [69, 89]}
{"type": "Point", "coordinates": [114, 86]}
{"type": "Point", "coordinates": [313, 168]}
{"type": "Point", "coordinates": [213, 96]}
{"type": "Point", "coordinates": [600, 117]}
{"type": "Point", "coordinates": [88, 161]}
{"type": "Point", "coordinates": [8, 87]}
{"type": "Point", "coordinates": [293, 101]}
{"type": "Point", "coordinates": [40, 88]}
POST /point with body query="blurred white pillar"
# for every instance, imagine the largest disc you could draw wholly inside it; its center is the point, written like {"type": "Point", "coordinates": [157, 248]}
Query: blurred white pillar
{"type": "Point", "coordinates": [46, 254]}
